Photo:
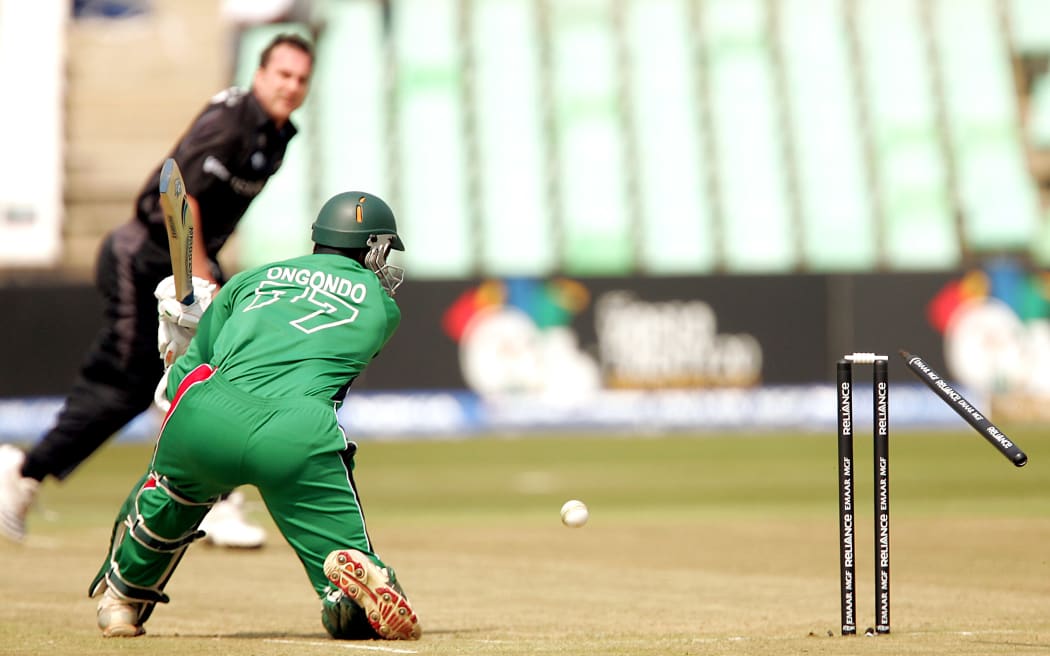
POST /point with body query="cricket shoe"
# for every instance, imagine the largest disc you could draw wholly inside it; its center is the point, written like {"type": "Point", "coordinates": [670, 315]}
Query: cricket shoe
{"type": "Point", "coordinates": [376, 591]}
{"type": "Point", "coordinates": [118, 617]}
{"type": "Point", "coordinates": [17, 493]}
{"type": "Point", "coordinates": [226, 526]}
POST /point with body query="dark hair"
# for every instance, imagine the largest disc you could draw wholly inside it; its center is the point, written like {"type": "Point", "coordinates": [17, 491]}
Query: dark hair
{"type": "Point", "coordinates": [286, 39]}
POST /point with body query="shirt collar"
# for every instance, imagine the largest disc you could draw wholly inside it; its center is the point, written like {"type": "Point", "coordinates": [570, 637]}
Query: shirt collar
{"type": "Point", "coordinates": [263, 120]}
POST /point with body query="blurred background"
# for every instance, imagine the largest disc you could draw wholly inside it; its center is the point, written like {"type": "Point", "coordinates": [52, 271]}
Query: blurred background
{"type": "Point", "coordinates": [619, 214]}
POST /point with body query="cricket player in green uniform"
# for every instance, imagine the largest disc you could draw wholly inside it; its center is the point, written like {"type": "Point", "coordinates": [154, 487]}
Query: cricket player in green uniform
{"type": "Point", "coordinates": [253, 402]}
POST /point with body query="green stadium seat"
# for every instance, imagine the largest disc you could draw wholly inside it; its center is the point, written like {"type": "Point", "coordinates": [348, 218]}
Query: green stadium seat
{"type": "Point", "coordinates": [917, 221]}
{"type": "Point", "coordinates": [433, 207]}
{"type": "Point", "coordinates": [1030, 24]}
{"type": "Point", "coordinates": [517, 220]}
{"type": "Point", "coordinates": [1039, 126]}
{"type": "Point", "coordinates": [834, 196]}
{"type": "Point", "coordinates": [350, 102]}
{"type": "Point", "coordinates": [676, 218]}
{"type": "Point", "coordinates": [996, 192]}
{"type": "Point", "coordinates": [757, 230]}
{"type": "Point", "coordinates": [608, 137]}
{"type": "Point", "coordinates": [597, 233]}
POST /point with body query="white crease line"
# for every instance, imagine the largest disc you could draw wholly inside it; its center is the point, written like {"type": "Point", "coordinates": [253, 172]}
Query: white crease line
{"type": "Point", "coordinates": [342, 645]}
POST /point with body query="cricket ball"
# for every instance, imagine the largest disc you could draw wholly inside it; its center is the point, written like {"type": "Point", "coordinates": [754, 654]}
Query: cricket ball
{"type": "Point", "coordinates": [574, 513]}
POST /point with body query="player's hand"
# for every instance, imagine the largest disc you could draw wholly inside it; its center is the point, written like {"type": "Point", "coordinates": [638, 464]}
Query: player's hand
{"type": "Point", "coordinates": [172, 341]}
{"type": "Point", "coordinates": [177, 323]}
{"type": "Point", "coordinates": [203, 291]}
{"type": "Point", "coordinates": [186, 316]}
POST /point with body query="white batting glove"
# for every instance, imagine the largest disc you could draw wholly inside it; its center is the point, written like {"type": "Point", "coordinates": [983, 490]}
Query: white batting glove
{"type": "Point", "coordinates": [185, 316]}
{"type": "Point", "coordinates": [203, 290]}
{"type": "Point", "coordinates": [177, 323]}
{"type": "Point", "coordinates": [172, 341]}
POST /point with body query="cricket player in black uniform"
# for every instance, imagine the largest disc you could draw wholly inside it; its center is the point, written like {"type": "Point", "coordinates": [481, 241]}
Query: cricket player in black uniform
{"type": "Point", "coordinates": [228, 153]}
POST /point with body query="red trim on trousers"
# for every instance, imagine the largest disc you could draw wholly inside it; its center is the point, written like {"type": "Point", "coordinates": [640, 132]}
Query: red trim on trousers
{"type": "Point", "coordinates": [199, 374]}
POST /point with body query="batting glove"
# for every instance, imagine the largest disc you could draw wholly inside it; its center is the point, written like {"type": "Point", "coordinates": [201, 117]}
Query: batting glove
{"type": "Point", "coordinates": [177, 323]}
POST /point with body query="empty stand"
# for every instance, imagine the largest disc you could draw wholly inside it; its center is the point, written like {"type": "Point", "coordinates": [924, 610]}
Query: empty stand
{"type": "Point", "coordinates": [432, 203]}
{"type": "Point", "coordinates": [911, 173]}
{"type": "Point", "coordinates": [611, 137]}
{"type": "Point", "coordinates": [756, 222]}
{"type": "Point", "coordinates": [997, 199]}
{"type": "Point", "coordinates": [835, 200]}
{"type": "Point", "coordinates": [675, 213]}
{"type": "Point", "coordinates": [517, 217]}
{"type": "Point", "coordinates": [596, 234]}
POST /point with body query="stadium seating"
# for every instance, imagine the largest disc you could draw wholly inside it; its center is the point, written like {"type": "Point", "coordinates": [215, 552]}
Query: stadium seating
{"type": "Point", "coordinates": [516, 221]}
{"type": "Point", "coordinates": [669, 136]}
{"type": "Point", "coordinates": [834, 197]}
{"type": "Point", "coordinates": [671, 150]}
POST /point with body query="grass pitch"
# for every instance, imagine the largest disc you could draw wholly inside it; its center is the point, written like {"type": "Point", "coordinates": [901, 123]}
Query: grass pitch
{"type": "Point", "coordinates": [696, 545]}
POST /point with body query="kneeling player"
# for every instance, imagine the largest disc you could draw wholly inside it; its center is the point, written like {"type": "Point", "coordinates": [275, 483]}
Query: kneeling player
{"type": "Point", "coordinates": [253, 402]}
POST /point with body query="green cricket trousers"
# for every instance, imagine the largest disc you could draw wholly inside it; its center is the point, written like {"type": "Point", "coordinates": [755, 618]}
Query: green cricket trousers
{"type": "Point", "coordinates": [215, 438]}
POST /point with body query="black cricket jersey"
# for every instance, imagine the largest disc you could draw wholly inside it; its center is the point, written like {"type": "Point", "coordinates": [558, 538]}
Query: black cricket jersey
{"type": "Point", "coordinates": [226, 156]}
{"type": "Point", "coordinates": [228, 153]}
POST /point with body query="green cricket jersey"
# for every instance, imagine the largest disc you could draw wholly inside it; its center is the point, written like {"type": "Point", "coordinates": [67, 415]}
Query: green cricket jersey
{"type": "Point", "coordinates": [306, 326]}
{"type": "Point", "coordinates": [284, 340]}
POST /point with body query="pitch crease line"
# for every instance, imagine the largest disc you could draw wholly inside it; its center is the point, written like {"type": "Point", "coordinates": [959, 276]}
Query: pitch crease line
{"type": "Point", "coordinates": [388, 650]}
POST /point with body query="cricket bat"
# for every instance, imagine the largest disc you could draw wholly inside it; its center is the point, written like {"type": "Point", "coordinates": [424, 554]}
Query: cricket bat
{"type": "Point", "coordinates": [178, 218]}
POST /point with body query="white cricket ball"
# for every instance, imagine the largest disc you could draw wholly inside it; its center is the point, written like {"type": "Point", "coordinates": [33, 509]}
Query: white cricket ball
{"type": "Point", "coordinates": [574, 513]}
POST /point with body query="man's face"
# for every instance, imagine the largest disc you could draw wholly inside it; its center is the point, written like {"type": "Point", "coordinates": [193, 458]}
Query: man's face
{"type": "Point", "coordinates": [282, 84]}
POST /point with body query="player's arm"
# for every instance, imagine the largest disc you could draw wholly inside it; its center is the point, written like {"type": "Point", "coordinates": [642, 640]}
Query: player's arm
{"type": "Point", "coordinates": [393, 320]}
{"type": "Point", "coordinates": [177, 323]}
{"type": "Point", "coordinates": [206, 153]}
{"type": "Point", "coordinates": [393, 317]}
{"type": "Point", "coordinates": [200, 350]}
{"type": "Point", "coordinates": [176, 326]}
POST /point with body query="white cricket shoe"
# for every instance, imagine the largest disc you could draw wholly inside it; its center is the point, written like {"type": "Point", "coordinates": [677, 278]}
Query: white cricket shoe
{"type": "Point", "coordinates": [16, 493]}
{"type": "Point", "coordinates": [226, 526]}
{"type": "Point", "coordinates": [118, 617]}
{"type": "Point", "coordinates": [375, 590]}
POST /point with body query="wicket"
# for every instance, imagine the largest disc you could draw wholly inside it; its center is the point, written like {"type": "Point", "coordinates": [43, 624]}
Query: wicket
{"type": "Point", "coordinates": [880, 438]}
{"type": "Point", "coordinates": [965, 409]}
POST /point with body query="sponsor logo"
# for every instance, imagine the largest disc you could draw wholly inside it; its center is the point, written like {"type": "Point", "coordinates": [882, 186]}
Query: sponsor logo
{"type": "Point", "coordinates": [516, 337]}
{"type": "Point", "coordinates": [647, 344]}
{"type": "Point", "coordinates": [996, 326]}
{"type": "Point", "coordinates": [845, 410]}
{"type": "Point", "coordinates": [520, 336]}
{"type": "Point", "coordinates": [249, 188]}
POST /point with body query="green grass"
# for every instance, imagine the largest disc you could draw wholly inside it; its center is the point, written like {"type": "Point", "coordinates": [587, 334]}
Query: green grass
{"type": "Point", "coordinates": [697, 544]}
{"type": "Point", "coordinates": [699, 475]}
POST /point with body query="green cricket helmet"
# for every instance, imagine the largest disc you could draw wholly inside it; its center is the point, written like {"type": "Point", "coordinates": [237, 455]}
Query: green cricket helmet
{"type": "Point", "coordinates": [348, 219]}
{"type": "Point", "coordinates": [355, 219]}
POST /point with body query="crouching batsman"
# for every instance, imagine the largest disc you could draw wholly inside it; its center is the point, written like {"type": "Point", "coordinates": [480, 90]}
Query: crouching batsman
{"type": "Point", "coordinates": [253, 402]}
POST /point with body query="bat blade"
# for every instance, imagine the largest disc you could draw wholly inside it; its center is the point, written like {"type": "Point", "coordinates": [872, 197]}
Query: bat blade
{"type": "Point", "coordinates": [178, 219]}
